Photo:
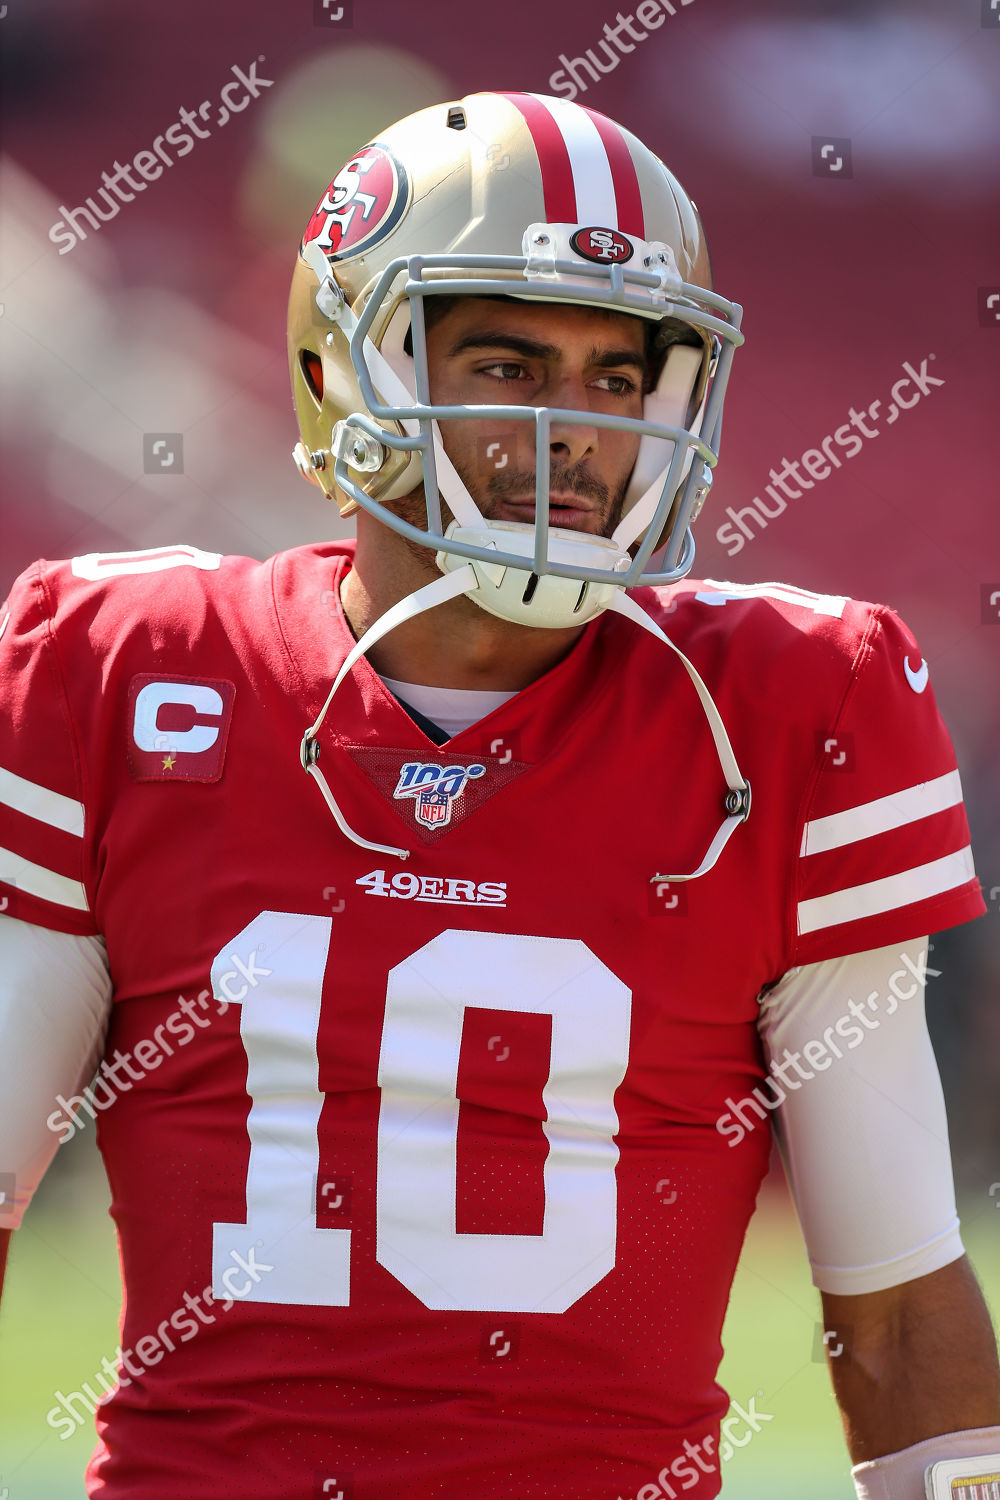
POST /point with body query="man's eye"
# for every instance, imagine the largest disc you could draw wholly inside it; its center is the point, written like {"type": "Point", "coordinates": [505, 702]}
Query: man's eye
{"type": "Point", "coordinates": [504, 371]}
{"type": "Point", "coordinates": [618, 385]}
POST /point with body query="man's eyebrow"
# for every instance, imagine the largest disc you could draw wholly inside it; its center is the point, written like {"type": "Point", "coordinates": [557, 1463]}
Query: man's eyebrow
{"type": "Point", "coordinates": [517, 343]}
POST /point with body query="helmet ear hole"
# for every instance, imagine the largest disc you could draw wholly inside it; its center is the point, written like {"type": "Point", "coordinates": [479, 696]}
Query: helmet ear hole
{"type": "Point", "coordinates": [312, 373]}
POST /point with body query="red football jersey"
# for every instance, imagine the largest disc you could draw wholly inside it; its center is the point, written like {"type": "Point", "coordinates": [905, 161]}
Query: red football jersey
{"type": "Point", "coordinates": [442, 1135]}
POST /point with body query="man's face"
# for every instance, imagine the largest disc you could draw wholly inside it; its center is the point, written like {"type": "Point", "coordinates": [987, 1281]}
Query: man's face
{"type": "Point", "coordinates": [540, 354]}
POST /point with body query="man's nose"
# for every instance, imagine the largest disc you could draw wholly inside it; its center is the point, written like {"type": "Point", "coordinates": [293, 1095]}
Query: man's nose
{"type": "Point", "coordinates": [570, 442]}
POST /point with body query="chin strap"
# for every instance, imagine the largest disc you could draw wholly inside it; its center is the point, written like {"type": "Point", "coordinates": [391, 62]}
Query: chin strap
{"type": "Point", "coordinates": [461, 581]}
{"type": "Point", "coordinates": [737, 799]}
{"type": "Point", "coordinates": [391, 384]}
{"type": "Point", "coordinates": [448, 586]}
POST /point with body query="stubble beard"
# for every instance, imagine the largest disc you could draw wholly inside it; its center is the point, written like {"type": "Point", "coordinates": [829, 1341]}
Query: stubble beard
{"type": "Point", "coordinates": [502, 486]}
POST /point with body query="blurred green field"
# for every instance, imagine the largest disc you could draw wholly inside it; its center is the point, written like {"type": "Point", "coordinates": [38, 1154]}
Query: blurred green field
{"type": "Point", "coordinates": [62, 1302]}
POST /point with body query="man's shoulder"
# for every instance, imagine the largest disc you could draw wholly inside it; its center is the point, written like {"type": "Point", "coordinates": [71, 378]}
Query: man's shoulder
{"type": "Point", "coordinates": [771, 609]}
{"type": "Point", "coordinates": [761, 626]}
{"type": "Point", "coordinates": [780, 644]}
{"type": "Point", "coordinates": [170, 592]}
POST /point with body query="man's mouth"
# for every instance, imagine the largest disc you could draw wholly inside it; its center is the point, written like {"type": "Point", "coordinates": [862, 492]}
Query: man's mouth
{"type": "Point", "coordinates": [569, 511]}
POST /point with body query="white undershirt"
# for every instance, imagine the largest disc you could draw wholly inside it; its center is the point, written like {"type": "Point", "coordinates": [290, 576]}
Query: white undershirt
{"type": "Point", "coordinates": [451, 709]}
{"type": "Point", "coordinates": [864, 1136]}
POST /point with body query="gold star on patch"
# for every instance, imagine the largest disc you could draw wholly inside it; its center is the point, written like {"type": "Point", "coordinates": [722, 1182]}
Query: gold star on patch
{"type": "Point", "coordinates": [168, 762]}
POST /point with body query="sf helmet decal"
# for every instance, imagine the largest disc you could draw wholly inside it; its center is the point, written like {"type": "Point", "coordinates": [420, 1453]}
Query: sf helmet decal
{"type": "Point", "coordinates": [363, 203]}
{"type": "Point", "coordinates": [602, 245]}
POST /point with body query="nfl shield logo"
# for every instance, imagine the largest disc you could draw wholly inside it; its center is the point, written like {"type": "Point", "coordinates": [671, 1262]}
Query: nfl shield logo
{"type": "Point", "coordinates": [433, 807]}
{"type": "Point", "coordinates": [434, 789]}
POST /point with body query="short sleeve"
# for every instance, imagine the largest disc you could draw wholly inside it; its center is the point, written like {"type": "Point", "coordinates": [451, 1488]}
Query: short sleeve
{"type": "Point", "coordinates": [885, 853]}
{"type": "Point", "coordinates": [42, 812]}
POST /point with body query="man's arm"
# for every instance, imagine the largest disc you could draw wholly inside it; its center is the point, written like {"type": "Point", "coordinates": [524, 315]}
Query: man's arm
{"type": "Point", "coordinates": [916, 1360]}
{"type": "Point", "coordinates": [864, 1137]}
{"type": "Point", "coordinates": [55, 998]}
{"type": "Point", "coordinates": [4, 1242]}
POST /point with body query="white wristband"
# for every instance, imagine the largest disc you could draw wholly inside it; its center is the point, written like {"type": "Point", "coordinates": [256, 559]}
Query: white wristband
{"type": "Point", "coordinates": [955, 1466]}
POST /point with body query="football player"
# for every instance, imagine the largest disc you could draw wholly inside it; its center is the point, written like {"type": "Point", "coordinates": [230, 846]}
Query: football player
{"type": "Point", "coordinates": [442, 979]}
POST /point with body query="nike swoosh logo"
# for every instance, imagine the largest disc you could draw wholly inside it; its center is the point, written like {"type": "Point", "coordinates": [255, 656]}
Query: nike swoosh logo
{"type": "Point", "coordinates": [917, 679]}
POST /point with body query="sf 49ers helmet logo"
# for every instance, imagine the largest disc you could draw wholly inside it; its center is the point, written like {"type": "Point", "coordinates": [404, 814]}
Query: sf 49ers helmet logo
{"type": "Point", "coordinates": [363, 203]}
{"type": "Point", "coordinates": [602, 245]}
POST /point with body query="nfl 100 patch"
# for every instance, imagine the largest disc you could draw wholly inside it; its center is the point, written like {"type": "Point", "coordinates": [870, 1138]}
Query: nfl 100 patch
{"type": "Point", "coordinates": [430, 794]}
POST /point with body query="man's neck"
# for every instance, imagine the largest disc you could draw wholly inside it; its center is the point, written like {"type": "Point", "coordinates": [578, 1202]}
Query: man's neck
{"type": "Point", "coordinates": [456, 644]}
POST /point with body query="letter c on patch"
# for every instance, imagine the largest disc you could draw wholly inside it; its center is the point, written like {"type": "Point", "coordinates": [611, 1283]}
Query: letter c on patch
{"type": "Point", "coordinates": [151, 698]}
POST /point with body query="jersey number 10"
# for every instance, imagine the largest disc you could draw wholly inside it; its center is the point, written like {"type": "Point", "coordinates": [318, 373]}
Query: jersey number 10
{"type": "Point", "coordinates": [416, 1239]}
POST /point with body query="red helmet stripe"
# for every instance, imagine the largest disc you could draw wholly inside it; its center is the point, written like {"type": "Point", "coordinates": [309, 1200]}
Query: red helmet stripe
{"type": "Point", "coordinates": [628, 196]}
{"type": "Point", "coordinates": [553, 158]}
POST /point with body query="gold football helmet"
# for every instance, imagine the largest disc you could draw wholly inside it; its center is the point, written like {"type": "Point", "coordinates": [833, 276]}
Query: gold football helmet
{"type": "Point", "coordinates": [528, 196]}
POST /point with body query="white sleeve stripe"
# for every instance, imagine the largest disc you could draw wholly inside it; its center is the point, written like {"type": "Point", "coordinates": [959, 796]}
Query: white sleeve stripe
{"type": "Point", "coordinates": [894, 891]}
{"type": "Point", "coordinates": [38, 802]}
{"type": "Point", "coordinates": [35, 880]}
{"type": "Point", "coordinates": [885, 813]}
{"type": "Point", "coordinates": [718, 591]}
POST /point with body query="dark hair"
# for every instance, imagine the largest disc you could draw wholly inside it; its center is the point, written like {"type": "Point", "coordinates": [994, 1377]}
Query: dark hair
{"type": "Point", "coordinates": [659, 336]}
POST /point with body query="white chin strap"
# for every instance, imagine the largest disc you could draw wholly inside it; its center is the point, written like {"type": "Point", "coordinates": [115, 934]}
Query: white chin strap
{"type": "Point", "coordinates": [447, 587]}
{"type": "Point", "coordinates": [737, 798]}
{"type": "Point", "coordinates": [391, 386]}
{"type": "Point", "coordinates": [465, 580]}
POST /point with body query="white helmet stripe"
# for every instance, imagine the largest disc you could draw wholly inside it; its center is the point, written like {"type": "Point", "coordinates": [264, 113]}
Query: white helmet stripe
{"type": "Point", "coordinates": [596, 202]}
